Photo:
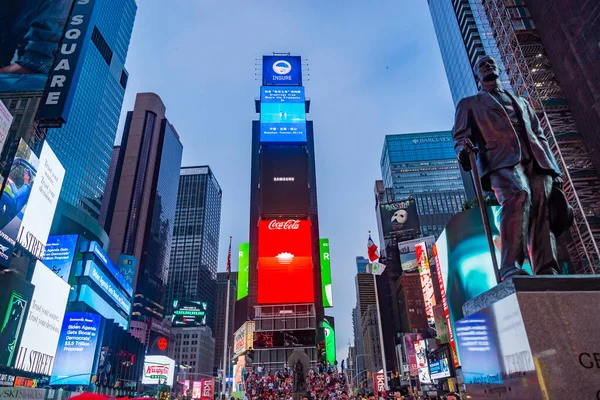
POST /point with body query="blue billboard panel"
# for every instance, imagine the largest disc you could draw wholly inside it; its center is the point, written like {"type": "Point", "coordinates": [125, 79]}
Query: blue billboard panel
{"type": "Point", "coordinates": [100, 278]}
{"type": "Point", "coordinates": [59, 254]}
{"type": "Point", "coordinates": [282, 70]}
{"type": "Point", "coordinates": [98, 251]}
{"type": "Point", "coordinates": [282, 114]}
{"type": "Point", "coordinates": [127, 266]}
{"type": "Point", "coordinates": [76, 349]}
{"type": "Point", "coordinates": [88, 296]}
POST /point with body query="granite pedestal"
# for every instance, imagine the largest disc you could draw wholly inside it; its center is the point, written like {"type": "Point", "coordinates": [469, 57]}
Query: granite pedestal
{"type": "Point", "coordinates": [533, 338]}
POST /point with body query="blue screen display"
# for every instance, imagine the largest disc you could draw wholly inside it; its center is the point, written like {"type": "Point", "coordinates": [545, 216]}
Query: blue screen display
{"type": "Point", "coordinates": [100, 278]}
{"type": "Point", "coordinates": [282, 70]}
{"type": "Point", "coordinates": [59, 254]}
{"type": "Point", "coordinates": [127, 265]}
{"type": "Point", "coordinates": [94, 300]}
{"type": "Point", "coordinates": [97, 250]}
{"type": "Point", "coordinates": [76, 349]}
{"type": "Point", "coordinates": [282, 114]}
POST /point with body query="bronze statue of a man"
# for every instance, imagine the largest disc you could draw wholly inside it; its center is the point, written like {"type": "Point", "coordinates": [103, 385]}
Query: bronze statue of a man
{"type": "Point", "coordinates": [515, 161]}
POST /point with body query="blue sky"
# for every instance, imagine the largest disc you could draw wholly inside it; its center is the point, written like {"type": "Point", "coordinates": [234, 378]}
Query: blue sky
{"type": "Point", "coordinates": [375, 69]}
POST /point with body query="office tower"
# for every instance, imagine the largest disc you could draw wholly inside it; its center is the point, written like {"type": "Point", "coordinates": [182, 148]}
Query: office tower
{"type": "Point", "coordinates": [195, 246]}
{"type": "Point", "coordinates": [84, 144]}
{"type": "Point", "coordinates": [359, 346]}
{"type": "Point", "coordinates": [424, 166]}
{"type": "Point", "coordinates": [110, 180]}
{"type": "Point", "coordinates": [371, 339]}
{"type": "Point", "coordinates": [366, 320]}
{"type": "Point", "coordinates": [507, 31]}
{"type": "Point", "coordinates": [194, 349]}
{"type": "Point", "coordinates": [361, 264]}
{"type": "Point", "coordinates": [221, 302]}
{"type": "Point", "coordinates": [141, 216]}
{"type": "Point", "coordinates": [412, 305]}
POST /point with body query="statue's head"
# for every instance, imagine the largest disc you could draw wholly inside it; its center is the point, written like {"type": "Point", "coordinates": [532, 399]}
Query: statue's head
{"type": "Point", "coordinates": [487, 69]}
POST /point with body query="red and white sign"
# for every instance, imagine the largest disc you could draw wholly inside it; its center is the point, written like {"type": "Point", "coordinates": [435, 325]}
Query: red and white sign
{"type": "Point", "coordinates": [208, 385]}
{"type": "Point", "coordinates": [379, 382]}
{"type": "Point", "coordinates": [285, 264]}
{"type": "Point", "coordinates": [426, 282]}
{"type": "Point", "coordinates": [196, 390]}
{"type": "Point", "coordinates": [445, 305]}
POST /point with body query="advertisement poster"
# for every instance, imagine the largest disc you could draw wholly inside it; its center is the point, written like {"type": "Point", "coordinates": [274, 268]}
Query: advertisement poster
{"type": "Point", "coordinates": [439, 369]}
{"type": "Point", "coordinates": [42, 203]}
{"type": "Point", "coordinates": [408, 254]}
{"type": "Point", "coordinates": [379, 382]}
{"type": "Point", "coordinates": [127, 266]}
{"type": "Point", "coordinates": [400, 219]}
{"type": "Point", "coordinates": [76, 349]}
{"type": "Point", "coordinates": [5, 122]}
{"type": "Point", "coordinates": [158, 370]}
{"type": "Point", "coordinates": [239, 341]}
{"type": "Point", "coordinates": [243, 266]}
{"type": "Point", "coordinates": [15, 295]}
{"type": "Point", "coordinates": [44, 321]}
{"type": "Point", "coordinates": [189, 313]}
{"type": "Point", "coordinates": [285, 262]}
{"type": "Point", "coordinates": [208, 386]}
{"type": "Point", "coordinates": [282, 70]}
{"type": "Point", "coordinates": [426, 283]}
{"type": "Point", "coordinates": [59, 254]}
{"type": "Point", "coordinates": [330, 350]}
{"type": "Point", "coordinates": [409, 339]}
{"type": "Point", "coordinates": [196, 390]}
{"type": "Point", "coordinates": [422, 363]}
{"type": "Point", "coordinates": [13, 203]}
{"type": "Point", "coordinates": [282, 114]}
{"type": "Point", "coordinates": [327, 290]}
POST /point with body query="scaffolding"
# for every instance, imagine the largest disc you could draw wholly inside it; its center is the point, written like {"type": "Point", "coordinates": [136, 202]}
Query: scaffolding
{"type": "Point", "coordinates": [508, 24]}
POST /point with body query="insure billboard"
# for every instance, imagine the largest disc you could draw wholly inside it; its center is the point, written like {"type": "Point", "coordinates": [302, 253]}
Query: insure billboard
{"type": "Point", "coordinates": [282, 70]}
{"type": "Point", "coordinates": [284, 181]}
{"type": "Point", "coordinates": [400, 219]}
{"type": "Point", "coordinates": [327, 291]}
{"type": "Point", "coordinates": [158, 370]}
{"type": "Point", "coordinates": [243, 269]}
{"type": "Point", "coordinates": [76, 349]}
{"type": "Point", "coordinates": [41, 206]}
{"type": "Point", "coordinates": [15, 196]}
{"type": "Point", "coordinates": [59, 254]}
{"type": "Point", "coordinates": [282, 114]}
{"type": "Point", "coordinates": [285, 269]}
{"type": "Point", "coordinates": [408, 254]}
{"type": "Point", "coordinates": [44, 321]}
{"type": "Point", "coordinates": [189, 313]}
{"type": "Point", "coordinates": [294, 338]}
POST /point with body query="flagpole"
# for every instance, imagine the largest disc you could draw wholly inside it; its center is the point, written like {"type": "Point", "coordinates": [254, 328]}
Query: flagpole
{"type": "Point", "coordinates": [383, 363]}
{"type": "Point", "coordinates": [225, 344]}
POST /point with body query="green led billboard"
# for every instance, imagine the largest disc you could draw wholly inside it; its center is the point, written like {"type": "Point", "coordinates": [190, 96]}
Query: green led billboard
{"type": "Point", "coordinates": [243, 265]}
{"type": "Point", "coordinates": [326, 273]}
{"type": "Point", "coordinates": [328, 325]}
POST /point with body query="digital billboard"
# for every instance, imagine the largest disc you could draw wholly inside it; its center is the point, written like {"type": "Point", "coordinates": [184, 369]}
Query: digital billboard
{"type": "Point", "coordinates": [422, 362]}
{"type": "Point", "coordinates": [295, 338]}
{"type": "Point", "coordinates": [99, 278]}
{"type": "Point", "coordinates": [208, 387]}
{"type": "Point", "coordinates": [439, 369]}
{"type": "Point", "coordinates": [243, 268]}
{"type": "Point", "coordinates": [112, 269]}
{"type": "Point", "coordinates": [6, 119]}
{"type": "Point", "coordinates": [409, 340]}
{"type": "Point", "coordinates": [13, 203]}
{"type": "Point", "coordinates": [445, 309]}
{"type": "Point", "coordinates": [197, 389]}
{"type": "Point", "coordinates": [42, 203]}
{"type": "Point", "coordinates": [127, 266]}
{"type": "Point", "coordinates": [44, 321]}
{"type": "Point", "coordinates": [426, 283]}
{"type": "Point", "coordinates": [76, 349]}
{"type": "Point", "coordinates": [158, 369]}
{"type": "Point", "coordinates": [59, 254]}
{"type": "Point", "coordinates": [285, 269]}
{"type": "Point", "coordinates": [327, 292]}
{"type": "Point", "coordinates": [284, 181]}
{"type": "Point", "coordinates": [282, 114]}
{"type": "Point", "coordinates": [15, 296]}
{"type": "Point", "coordinates": [282, 70]}
{"type": "Point", "coordinates": [189, 313]}
{"type": "Point", "coordinates": [330, 349]}
{"type": "Point", "coordinates": [408, 254]}
{"type": "Point", "coordinates": [159, 340]}
{"type": "Point", "coordinates": [379, 382]}
{"type": "Point", "coordinates": [98, 304]}
{"type": "Point", "coordinates": [400, 219]}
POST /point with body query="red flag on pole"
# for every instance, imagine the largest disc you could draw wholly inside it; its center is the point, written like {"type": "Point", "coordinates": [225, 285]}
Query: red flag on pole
{"type": "Point", "coordinates": [372, 249]}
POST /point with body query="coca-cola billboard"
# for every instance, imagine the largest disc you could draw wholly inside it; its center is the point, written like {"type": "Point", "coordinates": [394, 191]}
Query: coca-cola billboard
{"type": "Point", "coordinates": [284, 181]}
{"type": "Point", "coordinates": [285, 264]}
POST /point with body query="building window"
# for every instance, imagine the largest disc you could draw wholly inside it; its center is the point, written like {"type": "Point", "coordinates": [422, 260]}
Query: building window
{"type": "Point", "coordinates": [102, 46]}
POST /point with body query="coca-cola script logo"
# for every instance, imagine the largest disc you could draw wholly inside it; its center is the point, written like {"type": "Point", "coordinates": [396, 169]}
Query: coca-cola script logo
{"type": "Point", "coordinates": [289, 224]}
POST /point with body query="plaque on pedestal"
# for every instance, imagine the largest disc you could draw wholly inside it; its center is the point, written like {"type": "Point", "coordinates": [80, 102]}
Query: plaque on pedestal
{"type": "Point", "coordinates": [533, 338]}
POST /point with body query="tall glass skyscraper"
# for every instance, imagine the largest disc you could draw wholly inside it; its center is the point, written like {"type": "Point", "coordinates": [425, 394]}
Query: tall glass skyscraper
{"type": "Point", "coordinates": [424, 166]}
{"type": "Point", "coordinates": [84, 145]}
{"type": "Point", "coordinates": [195, 246]}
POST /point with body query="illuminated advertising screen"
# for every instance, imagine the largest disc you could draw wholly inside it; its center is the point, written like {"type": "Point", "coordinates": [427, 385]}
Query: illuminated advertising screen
{"type": "Point", "coordinates": [426, 283]}
{"type": "Point", "coordinates": [379, 382]}
{"type": "Point", "coordinates": [400, 219]}
{"type": "Point", "coordinates": [59, 253]}
{"type": "Point", "coordinates": [13, 203]}
{"type": "Point", "coordinates": [409, 339]}
{"type": "Point", "coordinates": [159, 340]}
{"type": "Point", "coordinates": [39, 214]}
{"type": "Point", "coordinates": [15, 296]}
{"type": "Point", "coordinates": [126, 267]}
{"type": "Point", "coordinates": [76, 349]}
{"type": "Point", "coordinates": [330, 350]}
{"type": "Point", "coordinates": [97, 302]}
{"type": "Point", "coordinates": [439, 369]}
{"type": "Point", "coordinates": [282, 114]}
{"type": "Point", "coordinates": [295, 338]}
{"type": "Point", "coordinates": [112, 269]}
{"type": "Point", "coordinates": [44, 321]}
{"type": "Point", "coordinates": [422, 363]}
{"type": "Point", "coordinates": [208, 387]}
{"type": "Point", "coordinates": [285, 270]}
{"type": "Point", "coordinates": [158, 369]}
{"type": "Point", "coordinates": [189, 313]}
{"type": "Point", "coordinates": [408, 254]}
{"type": "Point", "coordinates": [326, 273]}
{"type": "Point", "coordinates": [6, 119]}
{"type": "Point", "coordinates": [196, 390]}
{"type": "Point", "coordinates": [284, 181]}
{"type": "Point", "coordinates": [282, 70]}
{"type": "Point", "coordinates": [243, 268]}
{"type": "Point", "coordinates": [111, 289]}
{"type": "Point", "coordinates": [239, 340]}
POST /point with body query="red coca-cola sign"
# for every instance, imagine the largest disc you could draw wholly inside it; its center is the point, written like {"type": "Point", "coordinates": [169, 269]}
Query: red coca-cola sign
{"type": "Point", "coordinates": [284, 225]}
